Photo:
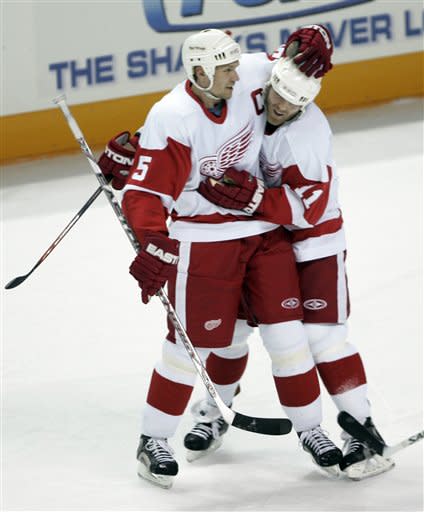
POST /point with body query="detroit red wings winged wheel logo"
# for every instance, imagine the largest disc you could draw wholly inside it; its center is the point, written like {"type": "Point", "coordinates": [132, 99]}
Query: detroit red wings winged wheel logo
{"type": "Point", "coordinates": [228, 154]}
{"type": "Point", "coordinates": [267, 168]}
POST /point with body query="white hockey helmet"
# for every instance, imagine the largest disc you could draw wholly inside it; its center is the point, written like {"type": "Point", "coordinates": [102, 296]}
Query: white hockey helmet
{"type": "Point", "coordinates": [209, 48]}
{"type": "Point", "coordinates": [293, 85]}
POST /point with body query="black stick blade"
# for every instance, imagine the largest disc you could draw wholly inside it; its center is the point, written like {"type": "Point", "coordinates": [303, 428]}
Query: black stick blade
{"type": "Point", "coordinates": [358, 431]}
{"type": "Point", "coordinates": [267, 426]}
{"type": "Point", "coordinates": [15, 282]}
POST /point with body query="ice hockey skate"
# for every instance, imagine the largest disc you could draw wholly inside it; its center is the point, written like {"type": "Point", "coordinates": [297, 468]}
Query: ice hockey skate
{"type": "Point", "coordinates": [207, 434]}
{"type": "Point", "coordinates": [156, 461]}
{"type": "Point", "coordinates": [323, 451]}
{"type": "Point", "coordinates": [359, 461]}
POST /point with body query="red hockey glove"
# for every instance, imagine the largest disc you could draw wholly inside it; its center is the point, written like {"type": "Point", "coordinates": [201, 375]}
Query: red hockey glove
{"type": "Point", "coordinates": [237, 190]}
{"type": "Point", "coordinates": [117, 159]}
{"type": "Point", "coordinates": [155, 263]}
{"type": "Point", "coordinates": [311, 47]}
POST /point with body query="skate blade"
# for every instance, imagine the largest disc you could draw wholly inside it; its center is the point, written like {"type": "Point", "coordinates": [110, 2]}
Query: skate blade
{"type": "Point", "coordinates": [332, 472]}
{"type": "Point", "coordinates": [375, 465]}
{"type": "Point", "coordinates": [163, 481]}
{"type": "Point", "coordinates": [193, 455]}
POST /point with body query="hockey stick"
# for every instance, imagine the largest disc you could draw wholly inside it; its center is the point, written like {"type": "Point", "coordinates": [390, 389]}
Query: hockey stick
{"type": "Point", "coordinates": [358, 431]}
{"type": "Point", "coordinates": [270, 426]}
{"type": "Point", "coordinates": [20, 279]}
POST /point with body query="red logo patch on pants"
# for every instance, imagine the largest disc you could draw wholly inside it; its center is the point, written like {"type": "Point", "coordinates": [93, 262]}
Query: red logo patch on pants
{"type": "Point", "coordinates": [213, 278]}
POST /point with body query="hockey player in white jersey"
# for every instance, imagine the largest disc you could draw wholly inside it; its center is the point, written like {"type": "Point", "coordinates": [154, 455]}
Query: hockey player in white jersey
{"type": "Point", "coordinates": [297, 151]}
{"type": "Point", "coordinates": [210, 123]}
{"type": "Point", "coordinates": [195, 133]}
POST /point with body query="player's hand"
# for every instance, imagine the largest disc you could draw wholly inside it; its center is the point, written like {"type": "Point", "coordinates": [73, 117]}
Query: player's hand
{"type": "Point", "coordinates": [236, 190]}
{"type": "Point", "coordinates": [117, 159]}
{"type": "Point", "coordinates": [155, 263]}
{"type": "Point", "coordinates": [311, 48]}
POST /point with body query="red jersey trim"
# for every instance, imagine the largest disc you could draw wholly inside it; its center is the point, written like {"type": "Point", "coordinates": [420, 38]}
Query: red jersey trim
{"type": "Point", "coordinates": [214, 218]}
{"type": "Point", "coordinates": [144, 212]}
{"type": "Point", "coordinates": [216, 119]}
{"type": "Point", "coordinates": [292, 176]}
{"type": "Point", "coordinates": [325, 228]}
{"type": "Point", "coordinates": [161, 171]}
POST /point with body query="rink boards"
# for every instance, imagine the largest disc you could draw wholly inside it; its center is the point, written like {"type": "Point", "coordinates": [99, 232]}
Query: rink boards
{"type": "Point", "coordinates": [347, 86]}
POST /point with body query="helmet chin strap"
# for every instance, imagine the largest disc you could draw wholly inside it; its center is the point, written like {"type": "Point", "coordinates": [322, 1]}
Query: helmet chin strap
{"type": "Point", "coordinates": [207, 93]}
{"type": "Point", "coordinates": [206, 90]}
{"type": "Point", "coordinates": [212, 96]}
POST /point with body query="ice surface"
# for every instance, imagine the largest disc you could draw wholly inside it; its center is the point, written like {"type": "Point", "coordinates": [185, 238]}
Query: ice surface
{"type": "Point", "coordinates": [78, 346]}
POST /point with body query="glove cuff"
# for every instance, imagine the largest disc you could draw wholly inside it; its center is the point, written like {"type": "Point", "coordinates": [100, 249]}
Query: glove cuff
{"type": "Point", "coordinates": [325, 34]}
{"type": "Point", "coordinates": [161, 247]}
{"type": "Point", "coordinates": [256, 199]}
{"type": "Point", "coordinates": [117, 151]}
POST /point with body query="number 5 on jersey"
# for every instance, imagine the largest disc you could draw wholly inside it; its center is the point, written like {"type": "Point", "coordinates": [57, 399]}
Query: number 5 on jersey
{"type": "Point", "coordinates": [143, 167]}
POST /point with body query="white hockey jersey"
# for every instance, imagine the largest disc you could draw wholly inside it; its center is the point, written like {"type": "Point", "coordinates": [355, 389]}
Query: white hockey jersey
{"type": "Point", "coordinates": [299, 154]}
{"type": "Point", "coordinates": [183, 143]}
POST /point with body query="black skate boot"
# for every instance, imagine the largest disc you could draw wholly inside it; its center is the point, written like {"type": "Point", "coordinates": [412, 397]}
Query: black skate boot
{"type": "Point", "coordinates": [206, 436]}
{"type": "Point", "coordinates": [156, 461]}
{"type": "Point", "coordinates": [322, 450]}
{"type": "Point", "coordinates": [359, 461]}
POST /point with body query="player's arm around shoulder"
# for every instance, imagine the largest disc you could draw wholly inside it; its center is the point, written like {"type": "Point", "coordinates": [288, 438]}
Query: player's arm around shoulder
{"type": "Point", "coordinates": [255, 69]}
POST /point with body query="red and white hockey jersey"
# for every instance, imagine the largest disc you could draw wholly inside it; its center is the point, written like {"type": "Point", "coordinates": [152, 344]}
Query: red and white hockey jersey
{"type": "Point", "coordinates": [183, 143]}
{"type": "Point", "coordinates": [299, 154]}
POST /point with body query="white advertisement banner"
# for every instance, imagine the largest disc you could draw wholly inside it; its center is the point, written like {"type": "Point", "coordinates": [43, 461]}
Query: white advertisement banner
{"type": "Point", "coordinates": [96, 50]}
